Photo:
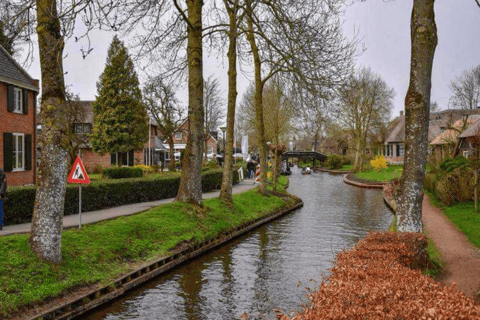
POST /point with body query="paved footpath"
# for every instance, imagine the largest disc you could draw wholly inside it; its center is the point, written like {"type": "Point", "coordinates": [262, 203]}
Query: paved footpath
{"type": "Point", "coordinates": [462, 258]}
{"type": "Point", "coordinates": [111, 213]}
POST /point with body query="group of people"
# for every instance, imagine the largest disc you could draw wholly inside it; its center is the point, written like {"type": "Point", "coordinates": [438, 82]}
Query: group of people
{"type": "Point", "coordinates": [251, 169]}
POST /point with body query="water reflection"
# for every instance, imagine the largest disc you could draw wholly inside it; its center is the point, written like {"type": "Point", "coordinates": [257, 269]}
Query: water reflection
{"type": "Point", "coordinates": [268, 268]}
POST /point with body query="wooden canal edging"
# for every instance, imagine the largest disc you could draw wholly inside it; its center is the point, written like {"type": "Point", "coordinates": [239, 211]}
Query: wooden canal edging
{"type": "Point", "coordinates": [331, 171]}
{"type": "Point", "coordinates": [99, 296]}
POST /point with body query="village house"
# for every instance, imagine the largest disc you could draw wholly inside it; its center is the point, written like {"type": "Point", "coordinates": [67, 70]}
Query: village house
{"type": "Point", "coordinates": [180, 138]}
{"type": "Point", "coordinates": [93, 162]}
{"type": "Point", "coordinates": [468, 141]}
{"type": "Point", "coordinates": [18, 95]}
{"type": "Point", "coordinates": [439, 122]}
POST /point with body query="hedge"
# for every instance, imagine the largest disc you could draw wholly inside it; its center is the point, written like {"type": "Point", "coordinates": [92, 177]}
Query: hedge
{"type": "Point", "coordinates": [123, 172]}
{"type": "Point", "coordinates": [18, 205]}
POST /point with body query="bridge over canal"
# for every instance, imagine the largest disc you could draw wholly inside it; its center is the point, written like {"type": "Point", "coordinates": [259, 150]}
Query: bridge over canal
{"type": "Point", "coordinates": [305, 154]}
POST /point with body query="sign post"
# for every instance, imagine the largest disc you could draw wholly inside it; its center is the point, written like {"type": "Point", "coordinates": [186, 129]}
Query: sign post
{"type": "Point", "coordinates": [79, 175]}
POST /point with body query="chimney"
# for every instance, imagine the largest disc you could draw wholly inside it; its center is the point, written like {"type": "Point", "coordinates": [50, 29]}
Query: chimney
{"type": "Point", "coordinates": [401, 113]}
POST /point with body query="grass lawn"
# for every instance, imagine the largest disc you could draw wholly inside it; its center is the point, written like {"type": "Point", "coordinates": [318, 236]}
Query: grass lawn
{"type": "Point", "coordinates": [99, 253]}
{"type": "Point", "coordinates": [464, 217]}
{"type": "Point", "coordinates": [384, 175]}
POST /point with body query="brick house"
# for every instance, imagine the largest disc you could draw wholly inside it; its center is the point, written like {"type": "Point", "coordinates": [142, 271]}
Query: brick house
{"type": "Point", "coordinates": [180, 142]}
{"type": "Point", "coordinates": [18, 94]}
{"type": "Point", "coordinates": [93, 161]}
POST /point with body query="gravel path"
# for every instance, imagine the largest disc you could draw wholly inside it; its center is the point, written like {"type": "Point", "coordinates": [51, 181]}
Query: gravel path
{"type": "Point", "coordinates": [462, 258]}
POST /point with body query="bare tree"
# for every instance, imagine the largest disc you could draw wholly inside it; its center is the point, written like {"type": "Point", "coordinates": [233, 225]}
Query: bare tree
{"type": "Point", "coordinates": [466, 89]}
{"type": "Point", "coordinates": [364, 100]}
{"type": "Point", "coordinates": [417, 110]}
{"type": "Point", "coordinates": [303, 40]}
{"type": "Point", "coordinates": [213, 106]}
{"type": "Point", "coordinates": [164, 107]}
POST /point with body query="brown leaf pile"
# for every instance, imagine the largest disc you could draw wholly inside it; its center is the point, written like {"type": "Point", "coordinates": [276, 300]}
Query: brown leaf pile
{"type": "Point", "coordinates": [377, 279]}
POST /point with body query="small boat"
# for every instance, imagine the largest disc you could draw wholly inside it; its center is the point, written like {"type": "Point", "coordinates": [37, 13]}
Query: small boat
{"type": "Point", "coordinates": [306, 170]}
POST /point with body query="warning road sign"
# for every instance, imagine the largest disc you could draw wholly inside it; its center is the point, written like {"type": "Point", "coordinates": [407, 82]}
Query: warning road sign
{"type": "Point", "coordinates": [78, 173]}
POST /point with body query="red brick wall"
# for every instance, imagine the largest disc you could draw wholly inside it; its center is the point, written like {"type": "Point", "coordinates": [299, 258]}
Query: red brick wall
{"type": "Point", "coordinates": [90, 159]}
{"type": "Point", "coordinates": [18, 123]}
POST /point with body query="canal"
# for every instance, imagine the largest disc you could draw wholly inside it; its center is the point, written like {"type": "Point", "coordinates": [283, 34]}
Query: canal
{"type": "Point", "coordinates": [270, 267]}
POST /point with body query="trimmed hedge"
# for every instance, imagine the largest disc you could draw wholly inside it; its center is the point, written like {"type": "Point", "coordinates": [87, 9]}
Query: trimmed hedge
{"type": "Point", "coordinates": [123, 172]}
{"type": "Point", "coordinates": [18, 206]}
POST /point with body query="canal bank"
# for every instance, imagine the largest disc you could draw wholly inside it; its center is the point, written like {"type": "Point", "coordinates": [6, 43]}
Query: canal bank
{"type": "Point", "coordinates": [267, 269]}
{"type": "Point", "coordinates": [94, 257]}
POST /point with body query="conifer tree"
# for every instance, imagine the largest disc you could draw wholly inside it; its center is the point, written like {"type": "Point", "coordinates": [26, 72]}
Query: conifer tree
{"type": "Point", "coordinates": [120, 120]}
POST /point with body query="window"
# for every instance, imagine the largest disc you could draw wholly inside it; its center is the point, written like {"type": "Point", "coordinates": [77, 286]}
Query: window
{"type": "Point", "coordinates": [18, 152]}
{"type": "Point", "coordinates": [178, 136]}
{"type": "Point", "coordinates": [122, 158]}
{"type": "Point", "coordinates": [81, 128]}
{"type": "Point", "coordinates": [17, 100]}
{"type": "Point", "coordinates": [465, 154]}
{"type": "Point", "coordinates": [167, 155]}
{"type": "Point", "coordinates": [401, 150]}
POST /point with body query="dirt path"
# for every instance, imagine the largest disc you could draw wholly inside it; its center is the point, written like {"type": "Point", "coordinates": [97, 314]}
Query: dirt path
{"type": "Point", "coordinates": [463, 260]}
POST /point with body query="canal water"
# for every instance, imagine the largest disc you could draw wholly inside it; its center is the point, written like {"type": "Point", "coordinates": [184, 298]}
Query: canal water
{"type": "Point", "coordinates": [270, 267]}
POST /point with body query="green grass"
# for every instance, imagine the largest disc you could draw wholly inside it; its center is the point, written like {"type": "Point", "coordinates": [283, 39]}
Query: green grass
{"type": "Point", "coordinates": [436, 258]}
{"type": "Point", "coordinates": [101, 252]}
{"type": "Point", "coordinates": [384, 175]}
{"type": "Point", "coordinates": [346, 167]}
{"type": "Point", "coordinates": [464, 217]}
{"type": "Point", "coordinates": [393, 225]}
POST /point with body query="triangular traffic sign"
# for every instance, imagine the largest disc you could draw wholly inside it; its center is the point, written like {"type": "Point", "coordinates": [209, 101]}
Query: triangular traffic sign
{"type": "Point", "coordinates": [78, 173]}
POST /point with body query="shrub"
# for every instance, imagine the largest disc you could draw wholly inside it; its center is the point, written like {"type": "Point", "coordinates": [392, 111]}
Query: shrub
{"type": "Point", "coordinates": [18, 206]}
{"type": "Point", "coordinates": [379, 163]}
{"type": "Point", "coordinates": [429, 182]}
{"type": "Point", "coordinates": [456, 186]}
{"type": "Point", "coordinates": [155, 168]}
{"type": "Point", "coordinates": [449, 164]}
{"type": "Point", "coordinates": [146, 169]}
{"type": "Point", "coordinates": [96, 169]}
{"type": "Point", "coordinates": [122, 172]}
{"type": "Point", "coordinates": [334, 161]}
{"type": "Point", "coordinates": [212, 164]}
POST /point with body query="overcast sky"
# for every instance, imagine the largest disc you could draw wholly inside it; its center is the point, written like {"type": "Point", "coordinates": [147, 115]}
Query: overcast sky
{"type": "Point", "coordinates": [382, 26]}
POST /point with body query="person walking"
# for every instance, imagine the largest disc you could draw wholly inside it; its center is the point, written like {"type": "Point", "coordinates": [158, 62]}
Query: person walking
{"type": "Point", "coordinates": [250, 167]}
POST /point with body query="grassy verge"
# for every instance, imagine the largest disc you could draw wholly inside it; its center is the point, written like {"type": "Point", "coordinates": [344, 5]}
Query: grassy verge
{"type": "Point", "coordinates": [101, 252]}
{"type": "Point", "coordinates": [384, 175]}
{"type": "Point", "coordinates": [165, 174]}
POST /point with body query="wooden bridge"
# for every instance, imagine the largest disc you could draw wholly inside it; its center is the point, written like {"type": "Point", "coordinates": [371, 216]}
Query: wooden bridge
{"type": "Point", "coordinates": [305, 154]}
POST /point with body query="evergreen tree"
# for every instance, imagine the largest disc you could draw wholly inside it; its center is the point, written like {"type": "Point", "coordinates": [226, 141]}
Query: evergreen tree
{"type": "Point", "coordinates": [120, 120]}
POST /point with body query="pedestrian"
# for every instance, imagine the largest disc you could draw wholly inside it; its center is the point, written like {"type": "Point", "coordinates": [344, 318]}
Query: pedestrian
{"type": "Point", "coordinates": [250, 169]}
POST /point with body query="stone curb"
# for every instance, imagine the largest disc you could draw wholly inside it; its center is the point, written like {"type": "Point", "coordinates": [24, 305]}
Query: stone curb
{"type": "Point", "coordinates": [363, 185]}
{"type": "Point", "coordinates": [332, 171]}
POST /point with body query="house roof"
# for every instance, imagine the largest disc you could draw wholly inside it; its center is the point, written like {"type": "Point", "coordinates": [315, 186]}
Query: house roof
{"type": "Point", "coordinates": [450, 135]}
{"type": "Point", "coordinates": [159, 144]}
{"type": "Point", "coordinates": [472, 130]}
{"type": "Point", "coordinates": [438, 121]}
{"type": "Point", "coordinates": [12, 73]}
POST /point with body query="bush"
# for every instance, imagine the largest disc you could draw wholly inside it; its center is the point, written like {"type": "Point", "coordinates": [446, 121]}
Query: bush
{"type": "Point", "coordinates": [18, 206]}
{"type": "Point", "coordinates": [146, 169]}
{"type": "Point", "coordinates": [335, 161]}
{"type": "Point", "coordinates": [456, 186]}
{"type": "Point", "coordinates": [212, 164]}
{"type": "Point", "coordinates": [122, 172]}
{"type": "Point", "coordinates": [449, 164]}
{"type": "Point", "coordinates": [97, 169]}
{"type": "Point", "coordinates": [429, 182]}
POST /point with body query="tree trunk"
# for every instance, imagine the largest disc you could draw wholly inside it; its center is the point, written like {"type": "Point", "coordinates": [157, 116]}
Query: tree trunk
{"type": "Point", "coordinates": [47, 221]}
{"type": "Point", "coordinates": [190, 189]}
{"type": "Point", "coordinates": [358, 155]}
{"type": "Point", "coordinates": [226, 190]}
{"type": "Point", "coordinates": [171, 166]}
{"type": "Point", "coordinates": [258, 102]}
{"type": "Point", "coordinates": [417, 110]}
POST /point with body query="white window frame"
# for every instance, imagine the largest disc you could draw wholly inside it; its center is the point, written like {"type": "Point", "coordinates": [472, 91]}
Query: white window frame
{"type": "Point", "coordinates": [167, 155]}
{"type": "Point", "coordinates": [17, 100]}
{"type": "Point", "coordinates": [465, 153]}
{"type": "Point", "coordinates": [18, 153]}
{"type": "Point", "coordinates": [178, 136]}
{"type": "Point", "coordinates": [401, 150]}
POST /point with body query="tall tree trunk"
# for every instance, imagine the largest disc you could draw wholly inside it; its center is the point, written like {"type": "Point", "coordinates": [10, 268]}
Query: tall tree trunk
{"type": "Point", "coordinates": [171, 166]}
{"type": "Point", "coordinates": [47, 222]}
{"type": "Point", "coordinates": [417, 109]}
{"type": "Point", "coordinates": [190, 189]}
{"type": "Point", "coordinates": [258, 102]}
{"type": "Point", "coordinates": [358, 155]}
{"type": "Point", "coordinates": [226, 190]}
